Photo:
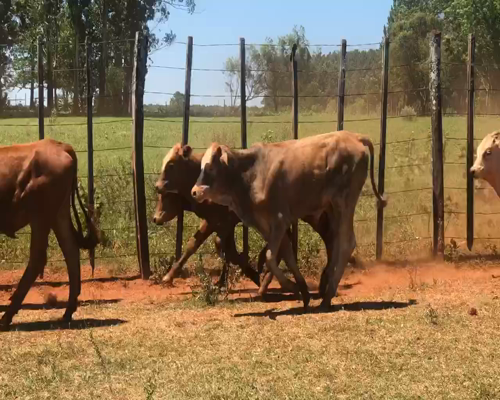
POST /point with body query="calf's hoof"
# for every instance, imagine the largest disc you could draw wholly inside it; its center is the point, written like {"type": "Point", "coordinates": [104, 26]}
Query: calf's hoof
{"type": "Point", "coordinates": [306, 298]}
{"type": "Point", "coordinates": [220, 283]}
{"type": "Point", "coordinates": [4, 326]}
{"type": "Point", "coordinates": [67, 317]}
{"type": "Point", "coordinates": [168, 280]}
{"type": "Point", "coordinates": [262, 291]}
{"type": "Point", "coordinates": [325, 305]}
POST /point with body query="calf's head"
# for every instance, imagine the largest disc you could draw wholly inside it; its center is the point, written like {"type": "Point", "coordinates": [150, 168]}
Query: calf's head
{"type": "Point", "coordinates": [214, 182]}
{"type": "Point", "coordinates": [172, 177]}
{"type": "Point", "coordinates": [487, 163]}
{"type": "Point", "coordinates": [168, 206]}
{"type": "Point", "coordinates": [173, 169]}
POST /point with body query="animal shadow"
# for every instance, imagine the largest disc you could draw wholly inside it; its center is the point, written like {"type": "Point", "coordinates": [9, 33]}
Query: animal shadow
{"type": "Point", "coordinates": [60, 305]}
{"type": "Point", "coordinates": [356, 306]}
{"type": "Point", "coordinates": [277, 295]}
{"type": "Point", "coordinates": [8, 287]}
{"type": "Point", "coordinates": [55, 325]}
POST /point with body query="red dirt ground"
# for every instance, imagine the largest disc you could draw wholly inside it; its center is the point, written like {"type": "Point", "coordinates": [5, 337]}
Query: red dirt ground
{"type": "Point", "coordinates": [357, 282]}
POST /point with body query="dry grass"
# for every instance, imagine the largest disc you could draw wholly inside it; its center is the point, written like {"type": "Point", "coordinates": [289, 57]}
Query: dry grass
{"type": "Point", "coordinates": [430, 347]}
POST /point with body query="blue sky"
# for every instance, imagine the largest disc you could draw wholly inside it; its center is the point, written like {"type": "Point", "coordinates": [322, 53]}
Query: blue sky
{"type": "Point", "coordinates": [225, 21]}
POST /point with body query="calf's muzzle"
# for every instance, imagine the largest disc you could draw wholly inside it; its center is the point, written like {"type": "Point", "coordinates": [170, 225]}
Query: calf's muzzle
{"type": "Point", "coordinates": [198, 192]}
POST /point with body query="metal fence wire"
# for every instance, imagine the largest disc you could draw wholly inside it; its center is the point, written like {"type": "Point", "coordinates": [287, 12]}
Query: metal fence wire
{"type": "Point", "coordinates": [105, 118]}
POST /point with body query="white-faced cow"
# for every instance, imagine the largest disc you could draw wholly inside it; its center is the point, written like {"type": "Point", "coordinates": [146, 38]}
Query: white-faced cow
{"type": "Point", "coordinates": [180, 170]}
{"type": "Point", "coordinates": [38, 183]}
{"type": "Point", "coordinates": [487, 163]}
{"type": "Point", "coordinates": [270, 186]}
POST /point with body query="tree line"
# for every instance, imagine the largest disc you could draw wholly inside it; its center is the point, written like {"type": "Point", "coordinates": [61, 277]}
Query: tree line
{"type": "Point", "coordinates": [66, 23]}
{"type": "Point", "coordinates": [409, 26]}
{"type": "Point", "coordinates": [63, 26]}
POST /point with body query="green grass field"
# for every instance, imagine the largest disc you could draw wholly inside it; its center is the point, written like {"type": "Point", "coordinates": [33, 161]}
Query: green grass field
{"type": "Point", "coordinates": [408, 181]}
{"type": "Point", "coordinates": [135, 340]}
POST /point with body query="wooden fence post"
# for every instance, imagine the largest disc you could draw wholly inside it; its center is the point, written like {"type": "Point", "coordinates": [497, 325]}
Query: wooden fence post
{"type": "Point", "coordinates": [41, 126]}
{"type": "Point", "coordinates": [138, 81]}
{"type": "Point", "coordinates": [90, 143]}
{"type": "Point", "coordinates": [295, 129]}
{"type": "Point", "coordinates": [470, 140]}
{"type": "Point", "coordinates": [437, 145]}
{"type": "Point", "coordinates": [341, 91]}
{"type": "Point", "coordinates": [243, 94]}
{"type": "Point", "coordinates": [185, 136]}
{"type": "Point", "coordinates": [383, 140]}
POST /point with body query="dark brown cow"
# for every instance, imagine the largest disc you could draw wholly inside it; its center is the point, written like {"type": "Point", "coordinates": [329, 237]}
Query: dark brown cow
{"type": "Point", "coordinates": [270, 186]}
{"type": "Point", "coordinates": [214, 219]}
{"type": "Point", "coordinates": [179, 172]}
{"type": "Point", "coordinates": [38, 183]}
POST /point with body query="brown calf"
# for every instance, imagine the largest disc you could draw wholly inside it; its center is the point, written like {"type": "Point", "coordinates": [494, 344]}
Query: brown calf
{"type": "Point", "coordinates": [179, 172]}
{"type": "Point", "coordinates": [270, 186]}
{"type": "Point", "coordinates": [38, 183]}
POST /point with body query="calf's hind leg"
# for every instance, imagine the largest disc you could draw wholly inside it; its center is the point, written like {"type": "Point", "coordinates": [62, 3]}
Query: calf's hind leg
{"type": "Point", "coordinates": [69, 246]}
{"type": "Point", "coordinates": [342, 250]}
{"type": "Point", "coordinates": [36, 264]}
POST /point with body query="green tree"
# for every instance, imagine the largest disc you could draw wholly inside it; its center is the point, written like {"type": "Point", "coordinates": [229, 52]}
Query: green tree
{"type": "Point", "coordinates": [253, 83]}
{"type": "Point", "coordinates": [409, 33]}
{"type": "Point", "coordinates": [411, 21]}
{"type": "Point", "coordinates": [65, 24]}
{"type": "Point", "coordinates": [176, 106]}
{"type": "Point", "coordinates": [8, 34]}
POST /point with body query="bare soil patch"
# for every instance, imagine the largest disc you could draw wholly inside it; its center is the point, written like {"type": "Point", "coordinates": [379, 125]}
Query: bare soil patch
{"type": "Point", "coordinates": [371, 280]}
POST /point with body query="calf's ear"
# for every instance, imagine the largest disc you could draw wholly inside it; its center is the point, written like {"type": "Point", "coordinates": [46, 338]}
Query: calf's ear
{"type": "Point", "coordinates": [218, 152]}
{"type": "Point", "coordinates": [186, 151]}
{"type": "Point", "coordinates": [224, 158]}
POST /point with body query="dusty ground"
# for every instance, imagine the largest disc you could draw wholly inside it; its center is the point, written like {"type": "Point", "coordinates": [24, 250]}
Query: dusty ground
{"type": "Point", "coordinates": [371, 280]}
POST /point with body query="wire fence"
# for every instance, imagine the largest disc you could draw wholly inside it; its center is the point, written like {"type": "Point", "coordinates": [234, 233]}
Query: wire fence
{"type": "Point", "coordinates": [408, 166]}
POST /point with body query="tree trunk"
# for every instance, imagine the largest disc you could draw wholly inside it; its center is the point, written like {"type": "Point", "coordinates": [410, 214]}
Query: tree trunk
{"type": "Point", "coordinates": [76, 88]}
{"type": "Point", "coordinates": [1, 97]}
{"type": "Point", "coordinates": [487, 100]}
{"type": "Point", "coordinates": [103, 65]}
{"type": "Point", "coordinates": [50, 86]}
{"type": "Point", "coordinates": [117, 99]}
{"type": "Point", "coordinates": [32, 82]}
{"type": "Point", "coordinates": [54, 82]}
{"type": "Point", "coordinates": [127, 106]}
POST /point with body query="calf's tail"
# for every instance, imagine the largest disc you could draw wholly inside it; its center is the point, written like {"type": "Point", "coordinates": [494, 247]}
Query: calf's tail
{"type": "Point", "coordinates": [91, 240]}
{"type": "Point", "coordinates": [381, 201]}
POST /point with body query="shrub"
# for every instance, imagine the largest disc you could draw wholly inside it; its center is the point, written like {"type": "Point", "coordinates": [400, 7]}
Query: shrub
{"type": "Point", "coordinates": [408, 113]}
{"type": "Point", "coordinates": [209, 292]}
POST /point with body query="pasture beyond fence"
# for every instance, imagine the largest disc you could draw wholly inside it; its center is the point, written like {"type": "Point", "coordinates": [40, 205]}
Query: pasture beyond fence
{"type": "Point", "coordinates": [124, 186]}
